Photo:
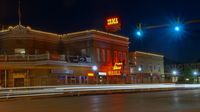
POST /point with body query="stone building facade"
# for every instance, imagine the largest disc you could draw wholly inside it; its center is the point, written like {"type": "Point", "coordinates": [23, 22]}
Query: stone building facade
{"type": "Point", "coordinates": [146, 67]}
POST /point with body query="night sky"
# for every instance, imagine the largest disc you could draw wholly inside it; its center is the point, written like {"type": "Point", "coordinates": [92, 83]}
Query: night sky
{"type": "Point", "coordinates": [63, 16]}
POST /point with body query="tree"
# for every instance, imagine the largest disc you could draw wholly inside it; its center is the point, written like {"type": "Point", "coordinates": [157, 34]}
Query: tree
{"type": "Point", "coordinates": [186, 76]}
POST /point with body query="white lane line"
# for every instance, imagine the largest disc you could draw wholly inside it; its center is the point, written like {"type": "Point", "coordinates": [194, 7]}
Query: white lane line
{"type": "Point", "coordinates": [18, 96]}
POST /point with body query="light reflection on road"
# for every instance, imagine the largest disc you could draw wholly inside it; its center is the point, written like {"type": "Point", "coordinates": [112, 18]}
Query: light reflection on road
{"type": "Point", "coordinates": [170, 101]}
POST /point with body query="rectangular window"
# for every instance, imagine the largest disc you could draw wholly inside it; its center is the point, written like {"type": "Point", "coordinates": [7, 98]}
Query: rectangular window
{"type": "Point", "coordinates": [98, 55]}
{"type": "Point", "coordinates": [108, 55]}
{"type": "Point", "coordinates": [159, 68]}
{"type": "Point", "coordinates": [151, 68]}
{"type": "Point", "coordinates": [20, 51]}
{"type": "Point", "coordinates": [115, 57]}
{"type": "Point", "coordinates": [103, 55]}
{"type": "Point", "coordinates": [154, 67]}
{"type": "Point", "coordinates": [120, 56]}
{"type": "Point", "coordinates": [83, 52]}
{"type": "Point", "coordinates": [124, 58]}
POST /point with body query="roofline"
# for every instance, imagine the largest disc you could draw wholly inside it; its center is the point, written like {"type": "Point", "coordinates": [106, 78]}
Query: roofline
{"type": "Point", "coordinates": [96, 31]}
{"type": "Point", "coordinates": [147, 53]}
{"type": "Point", "coordinates": [67, 34]}
{"type": "Point", "coordinates": [30, 29]}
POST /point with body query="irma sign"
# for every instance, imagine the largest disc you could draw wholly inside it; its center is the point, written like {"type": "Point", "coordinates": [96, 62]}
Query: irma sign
{"type": "Point", "coordinates": [112, 21]}
{"type": "Point", "coordinates": [113, 24]}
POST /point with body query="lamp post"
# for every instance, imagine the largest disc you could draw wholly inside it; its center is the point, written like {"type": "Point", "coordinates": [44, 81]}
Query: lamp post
{"type": "Point", "coordinates": [151, 76]}
{"type": "Point", "coordinates": [140, 69]}
{"type": "Point", "coordinates": [95, 68]}
{"type": "Point", "coordinates": [195, 73]}
{"type": "Point", "coordinates": [174, 76]}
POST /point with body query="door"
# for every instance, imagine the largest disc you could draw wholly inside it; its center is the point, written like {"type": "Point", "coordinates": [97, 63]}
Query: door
{"type": "Point", "coordinates": [18, 82]}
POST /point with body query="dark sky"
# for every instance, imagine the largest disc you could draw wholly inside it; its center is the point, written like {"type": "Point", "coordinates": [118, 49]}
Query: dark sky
{"type": "Point", "coordinates": [62, 16]}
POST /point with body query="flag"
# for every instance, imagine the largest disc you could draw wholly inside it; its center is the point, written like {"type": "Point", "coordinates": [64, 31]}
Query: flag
{"type": "Point", "coordinates": [19, 13]}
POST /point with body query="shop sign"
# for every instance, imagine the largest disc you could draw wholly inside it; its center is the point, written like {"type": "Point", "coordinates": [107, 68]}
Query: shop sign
{"type": "Point", "coordinates": [102, 73]}
{"type": "Point", "coordinates": [117, 66]}
{"type": "Point", "coordinates": [57, 57]}
{"type": "Point", "coordinates": [90, 74]}
{"type": "Point", "coordinates": [114, 73]}
{"type": "Point", "coordinates": [18, 75]}
{"type": "Point", "coordinates": [79, 59]}
{"type": "Point", "coordinates": [63, 71]}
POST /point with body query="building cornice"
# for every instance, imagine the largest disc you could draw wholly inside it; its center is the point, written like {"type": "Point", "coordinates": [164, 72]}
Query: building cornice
{"type": "Point", "coordinates": [92, 31]}
{"type": "Point", "coordinates": [147, 53]}
{"type": "Point", "coordinates": [22, 31]}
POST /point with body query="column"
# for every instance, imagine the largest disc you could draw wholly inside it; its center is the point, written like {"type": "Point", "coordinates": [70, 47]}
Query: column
{"type": "Point", "coordinates": [66, 79]}
{"type": "Point", "coordinates": [5, 79]}
{"type": "Point", "coordinates": [80, 79]}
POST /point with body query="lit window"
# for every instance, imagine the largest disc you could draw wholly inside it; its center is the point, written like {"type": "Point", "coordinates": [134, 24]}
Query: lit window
{"type": "Point", "coordinates": [20, 51]}
{"type": "Point", "coordinates": [83, 52]}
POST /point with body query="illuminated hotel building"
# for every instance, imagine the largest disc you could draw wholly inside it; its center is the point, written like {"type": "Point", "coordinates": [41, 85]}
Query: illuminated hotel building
{"type": "Point", "coordinates": [30, 57]}
{"type": "Point", "coordinates": [146, 67]}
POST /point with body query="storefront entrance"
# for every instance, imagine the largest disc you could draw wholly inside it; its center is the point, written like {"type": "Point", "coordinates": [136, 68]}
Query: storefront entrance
{"type": "Point", "coordinates": [75, 80]}
{"type": "Point", "coordinates": [19, 79]}
{"type": "Point", "coordinates": [18, 82]}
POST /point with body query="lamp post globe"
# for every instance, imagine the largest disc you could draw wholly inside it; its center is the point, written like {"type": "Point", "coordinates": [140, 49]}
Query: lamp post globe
{"type": "Point", "coordinates": [94, 68]}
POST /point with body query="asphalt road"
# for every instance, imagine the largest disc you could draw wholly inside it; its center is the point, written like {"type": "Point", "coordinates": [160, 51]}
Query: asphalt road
{"type": "Point", "coordinates": [170, 101]}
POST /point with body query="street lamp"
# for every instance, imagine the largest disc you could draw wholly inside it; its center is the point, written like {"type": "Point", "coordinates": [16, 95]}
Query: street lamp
{"type": "Point", "coordinates": [139, 69]}
{"type": "Point", "coordinates": [174, 76]}
{"type": "Point", "coordinates": [95, 68]}
{"type": "Point", "coordinates": [195, 73]}
{"type": "Point", "coordinates": [174, 72]}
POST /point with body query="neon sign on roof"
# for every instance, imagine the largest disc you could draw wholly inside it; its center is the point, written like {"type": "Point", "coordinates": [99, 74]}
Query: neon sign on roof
{"type": "Point", "coordinates": [113, 24]}
{"type": "Point", "coordinates": [112, 21]}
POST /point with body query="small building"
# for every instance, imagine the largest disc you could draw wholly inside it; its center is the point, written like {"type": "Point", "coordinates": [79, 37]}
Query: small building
{"type": "Point", "coordinates": [146, 67]}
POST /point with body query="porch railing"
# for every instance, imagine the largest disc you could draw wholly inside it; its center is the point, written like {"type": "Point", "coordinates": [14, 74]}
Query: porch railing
{"type": "Point", "coordinates": [44, 57]}
{"type": "Point", "coordinates": [22, 57]}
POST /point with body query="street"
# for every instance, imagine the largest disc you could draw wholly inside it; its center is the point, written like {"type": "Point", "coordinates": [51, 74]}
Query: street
{"type": "Point", "coordinates": [170, 101]}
